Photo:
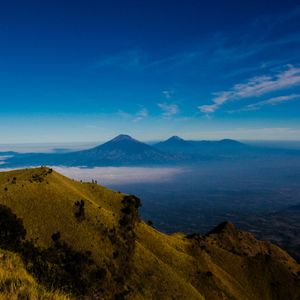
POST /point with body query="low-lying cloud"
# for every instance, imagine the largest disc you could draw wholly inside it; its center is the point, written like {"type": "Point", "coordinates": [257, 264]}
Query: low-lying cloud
{"type": "Point", "coordinates": [120, 175]}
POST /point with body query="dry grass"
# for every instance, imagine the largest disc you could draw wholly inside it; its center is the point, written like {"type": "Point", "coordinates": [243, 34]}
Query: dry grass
{"type": "Point", "coordinates": [162, 266]}
{"type": "Point", "coordinates": [16, 283]}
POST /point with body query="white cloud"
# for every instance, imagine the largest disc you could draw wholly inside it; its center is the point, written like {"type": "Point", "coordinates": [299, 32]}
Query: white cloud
{"type": "Point", "coordinates": [135, 117]}
{"type": "Point", "coordinates": [121, 175]}
{"type": "Point", "coordinates": [124, 114]}
{"type": "Point", "coordinates": [141, 114]}
{"type": "Point", "coordinates": [169, 110]}
{"type": "Point", "coordinates": [271, 101]}
{"type": "Point", "coordinates": [255, 87]}
{"type": "Point", "coordinates": [168, 94]}
{"type": "Point", "coordinates": [208, 108]}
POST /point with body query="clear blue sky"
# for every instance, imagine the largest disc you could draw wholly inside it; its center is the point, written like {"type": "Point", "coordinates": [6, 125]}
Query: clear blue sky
{"type": "Point", "coordinates": [88, 70]}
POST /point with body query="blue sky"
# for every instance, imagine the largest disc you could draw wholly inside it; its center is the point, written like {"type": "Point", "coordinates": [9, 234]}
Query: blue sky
{"type": "Point", "coordinates": [89, 70]}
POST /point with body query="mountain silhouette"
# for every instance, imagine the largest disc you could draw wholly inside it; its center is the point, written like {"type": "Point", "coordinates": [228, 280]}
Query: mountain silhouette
{"type": "Point", "coordinates": [123, 150]}
{"type": "Point", "coordinates": [176, 144]}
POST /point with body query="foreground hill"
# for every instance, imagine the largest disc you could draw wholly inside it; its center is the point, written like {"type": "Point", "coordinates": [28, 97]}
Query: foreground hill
{"type": "Point", "coordinates": [83, 239]}
{"type": "Point", "coordinates": [16, 282]}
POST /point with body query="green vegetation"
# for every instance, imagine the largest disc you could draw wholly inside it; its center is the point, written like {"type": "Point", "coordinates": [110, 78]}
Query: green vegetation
{"type": "Point", "coordinates": [12, 231]}
{"type": "Point", "coordinates": [79, 213]}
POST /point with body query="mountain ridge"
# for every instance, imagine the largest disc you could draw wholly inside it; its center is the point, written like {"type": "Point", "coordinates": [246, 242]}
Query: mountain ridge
{"type": "Point", "coordinates": [136, 260]}
{"type": "Point", "coordinates": [177, 144]}
{"type": "Point", "coordinates": [123, 150]}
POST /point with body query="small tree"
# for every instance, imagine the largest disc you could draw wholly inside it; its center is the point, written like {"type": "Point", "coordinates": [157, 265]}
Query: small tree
{"type": "Point", "coordinates": [79, 213]}
{"type": "Point", "coordinates": [12, 231]}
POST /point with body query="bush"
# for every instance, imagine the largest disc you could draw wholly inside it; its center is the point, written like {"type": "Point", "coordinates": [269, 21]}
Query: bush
{"type": "Point", "coordinates": [12, 231]}
{"type": "Point", "coordinates": [131, 200]}
{"type": "Point", "coordinates": [58, 266]}
{"type": "Point", "coordinates": [55, 237]}
{"type": "Point", "coordinates": [61, 267]}
{"type": "Point", "coordinates": [209, 274]}
{"type": "Point", "coordinates": [150, 223]}
{"type": "Point", "coordinates": [79, 213]}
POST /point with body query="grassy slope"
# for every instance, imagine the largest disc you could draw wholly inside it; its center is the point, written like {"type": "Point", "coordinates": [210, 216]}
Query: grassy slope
{"type": "Point", "coordinates": [227, 265]}
{"type": "Point", "coordinates": [16, 283]}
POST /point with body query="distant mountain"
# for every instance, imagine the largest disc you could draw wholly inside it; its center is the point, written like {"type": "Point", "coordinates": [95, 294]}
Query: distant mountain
{"type": "Point", "coordinates": [5, 153]}
{"type": "Point", "coordinates": [124, 145]}
{"type": "Point", "coordinates": [176, 144]}
{"type": "Point", "coordinates": [123, 150]}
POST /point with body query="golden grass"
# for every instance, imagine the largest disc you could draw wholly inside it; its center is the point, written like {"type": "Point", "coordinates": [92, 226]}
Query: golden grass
{"type": "Point", "coordinates": [47, 207]}
{"type": "Point", "coordinates": [16, 283]}
{"type": "Point", "coordinates": [163, 266]}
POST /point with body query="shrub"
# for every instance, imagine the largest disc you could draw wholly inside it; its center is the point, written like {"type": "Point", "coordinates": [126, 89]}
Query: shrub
{"type": "Point", "coordinates": [60, 266]}
{"type": "Point", "coordinates": [150, 223]}
{"type": "Point", "coordinates": [209, 274]}
{"type": "Point", "coordinates": [79, 213]}
{"type": "Point", "coordinates": [12, 231]}
{"type": "Point", "coordinates": [55, 237]}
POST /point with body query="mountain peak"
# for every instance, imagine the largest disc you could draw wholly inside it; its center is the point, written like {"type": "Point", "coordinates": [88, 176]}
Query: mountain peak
{"type": "Point", "coordinates": [175, 138]}
{"type": "Point", "coordinates": [230, 142]}
{"type": "Point", "coordinates": [122, 137]}
{"type": "Point", "coordinates": [223, 227]}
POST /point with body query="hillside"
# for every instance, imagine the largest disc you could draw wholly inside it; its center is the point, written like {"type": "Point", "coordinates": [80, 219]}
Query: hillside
{"type": "Point", "coordinates": [280, 227]}
{"type": "Point", "coordinates": [84, 239]}
{"type": "Point", "coordinates": [16, 283]}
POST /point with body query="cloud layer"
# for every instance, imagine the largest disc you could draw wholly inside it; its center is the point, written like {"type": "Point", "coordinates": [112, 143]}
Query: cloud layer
{"type": "Point", "coordinates": [256, 87]}
{"type": "Point", "coordinates": [271, 101]}
{"type": "Point", "coordinates": [121, 175]}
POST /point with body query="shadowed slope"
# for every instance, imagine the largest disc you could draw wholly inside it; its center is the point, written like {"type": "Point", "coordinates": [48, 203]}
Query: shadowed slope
{"type": "Point", "coordinates": [16, 283]}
